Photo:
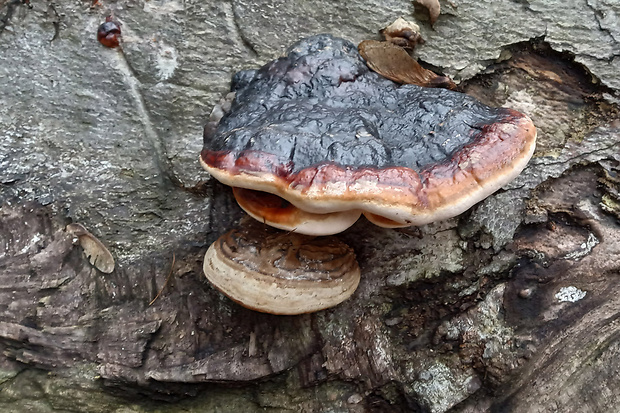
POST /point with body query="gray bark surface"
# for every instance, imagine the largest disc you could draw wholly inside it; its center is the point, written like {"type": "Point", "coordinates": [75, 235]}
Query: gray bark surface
{"type": "Point", "coordinates": [511, 306]}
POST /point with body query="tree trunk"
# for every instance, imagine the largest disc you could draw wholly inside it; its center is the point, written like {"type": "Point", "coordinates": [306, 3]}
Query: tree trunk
{"type": "Point", "coordinates": [511, 306]}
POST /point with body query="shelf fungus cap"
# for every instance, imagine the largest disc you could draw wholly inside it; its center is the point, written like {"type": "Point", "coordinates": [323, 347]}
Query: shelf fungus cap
{"type": "Point", "coordinates": [315, 138]}
{"type": "Point", "coordinates": [281, 273]}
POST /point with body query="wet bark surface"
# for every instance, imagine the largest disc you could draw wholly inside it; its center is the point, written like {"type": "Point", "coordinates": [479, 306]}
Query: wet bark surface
{"type": "Point", "coordinates": [511, 306]}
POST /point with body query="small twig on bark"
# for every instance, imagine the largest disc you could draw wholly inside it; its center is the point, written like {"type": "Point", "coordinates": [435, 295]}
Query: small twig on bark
{"type": "Point", "coordinates": [166, 282]}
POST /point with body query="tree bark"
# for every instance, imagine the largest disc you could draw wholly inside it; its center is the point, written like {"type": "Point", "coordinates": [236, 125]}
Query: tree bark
{"type": "Point", "coordinates": [511, 306]}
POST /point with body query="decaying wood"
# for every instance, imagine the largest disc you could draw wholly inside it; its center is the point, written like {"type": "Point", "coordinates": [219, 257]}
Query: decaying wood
{"type": "Point", "coordinates": [58, 310]}
{"type": "Point", "coordinates": [473, 314]}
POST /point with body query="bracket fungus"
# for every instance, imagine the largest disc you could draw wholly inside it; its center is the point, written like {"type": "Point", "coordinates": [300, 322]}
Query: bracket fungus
{"type": "Point", "coordinates": [331, 138]}
{"type": "Point", "coordinates": [314, 139]}
{"type": "Point", "coordinates": [280, 273]}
